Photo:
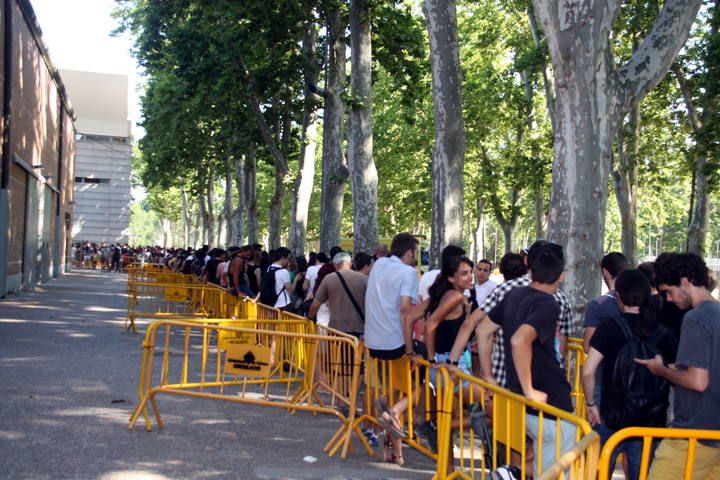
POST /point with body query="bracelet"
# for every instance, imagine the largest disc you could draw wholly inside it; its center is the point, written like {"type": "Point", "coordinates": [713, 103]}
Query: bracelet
{"type": "Point", "coordinates": [409, 354]}
{"type": "Point", "coordinates": [590, 404]}
{"type": "Point", "coordinates": [432, 361]}
{"type": "Point", "coordinates": [453, 362]}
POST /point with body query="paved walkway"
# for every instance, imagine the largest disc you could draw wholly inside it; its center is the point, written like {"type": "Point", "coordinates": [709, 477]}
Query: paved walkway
{"type": "Point", "coordinates": [68, 384]}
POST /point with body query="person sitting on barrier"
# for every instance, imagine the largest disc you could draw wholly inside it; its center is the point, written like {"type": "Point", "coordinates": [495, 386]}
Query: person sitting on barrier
{"type": "Point", "coordinates": [446, 311]}
{"type": "Point", "coordinates": [391, 291]}
{"type": "Point", "coordinates": [529, 316]}
{"type": "Point", "coordinates": [629, 399]}
{"type": "Point", "coordinates": [696, 374]}
{"type": "Point", "coordinates": [496, 373]}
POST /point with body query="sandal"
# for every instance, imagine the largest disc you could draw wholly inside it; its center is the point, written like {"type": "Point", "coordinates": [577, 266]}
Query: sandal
{"type": "Point", "coordinates": [391, 423]}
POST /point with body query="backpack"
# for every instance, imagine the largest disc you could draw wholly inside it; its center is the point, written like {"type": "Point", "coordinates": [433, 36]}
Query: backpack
{"type": "Point", "coordinates": [267, 287]}
{"type": "Point", "coordinates": [641, 398]}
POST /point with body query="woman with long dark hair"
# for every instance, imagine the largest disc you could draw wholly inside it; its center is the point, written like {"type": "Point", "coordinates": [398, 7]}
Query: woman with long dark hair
{"type": "Point", "coordinates": [446, 311]}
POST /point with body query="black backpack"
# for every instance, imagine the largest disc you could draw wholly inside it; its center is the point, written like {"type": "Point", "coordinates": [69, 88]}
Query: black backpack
{"type": "Point", "coordinates": [267, 287]}
{"type": "Point", "coordinates": [640, 398]}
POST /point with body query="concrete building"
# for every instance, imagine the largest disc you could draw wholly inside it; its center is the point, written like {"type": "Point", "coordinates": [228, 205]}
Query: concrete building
{"type": "Point", "coordinates": [37, 159]}
{"type": "Point", "coordinates": [103, 156]}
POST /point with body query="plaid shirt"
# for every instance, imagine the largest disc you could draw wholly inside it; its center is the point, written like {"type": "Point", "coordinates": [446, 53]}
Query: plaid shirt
{"type": "Point", "coordinates": [497, 296]}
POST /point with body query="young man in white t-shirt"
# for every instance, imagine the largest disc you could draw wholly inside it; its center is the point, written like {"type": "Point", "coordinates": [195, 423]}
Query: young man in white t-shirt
{"type": "Point", "coordinates": [283, 287]}
{"type": "Point", "coordinates": [483, 286]}
{"type": "Point", "coordinates": [391, 291]}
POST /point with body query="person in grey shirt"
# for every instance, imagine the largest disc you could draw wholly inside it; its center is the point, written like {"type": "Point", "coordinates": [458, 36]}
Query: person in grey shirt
{"type": "Point", "coordinates": [696, 373]}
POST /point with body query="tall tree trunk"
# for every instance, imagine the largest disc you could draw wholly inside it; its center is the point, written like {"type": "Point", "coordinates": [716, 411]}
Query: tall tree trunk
{"type": "Point", "coordinates": [334, 166]}
{"type": "Point", "coordinates": [591, 98]}
{"type": "Point", "coordinates": [202, 219]}
{"type": "Point", "coordinates": [624, 175]}
{"type": "Point", "coordinates": [697, 229]}
{"type": "Point", "coordinates": [449, 151]}
{"type": "Point", "coordinates": [699, 211]}
{"type": "Point", "coordinates": [238, 215]}
{"type": "Point", "coordinates": [185, 217]}
{"type": "Point", "coordinates": [539, 204]}
{"type": "Point", "coordinates": [279, 161]}
{"type": "Point", "coordinates": [250, 168]}
{"type": "Point", "coordinates": [228, 211]}
{"type": "Point", "coordinates": [363, 173]}
{"type": "Point", "coordinates": [300, 203]}
{"type": "Point", "coordinates": [539, 180]}
{"type": "Point", "coordinates": [478, 235]}
{"type": "Point", "coordinates": [547, 81]}
{"type": "Point", "coordinates": [508, 230]}
{"type": "Point", "coordinates": [210, 212]}
{"type": "Point", "coordinates": [275, 210]}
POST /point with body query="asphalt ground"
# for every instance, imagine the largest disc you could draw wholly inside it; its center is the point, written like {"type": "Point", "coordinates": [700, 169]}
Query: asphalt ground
{"type": "Point", "coordinates": [69, 382]}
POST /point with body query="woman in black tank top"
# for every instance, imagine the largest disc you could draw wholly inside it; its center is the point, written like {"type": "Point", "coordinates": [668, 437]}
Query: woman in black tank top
{"type": "Point", "coordinates": [446, 312]}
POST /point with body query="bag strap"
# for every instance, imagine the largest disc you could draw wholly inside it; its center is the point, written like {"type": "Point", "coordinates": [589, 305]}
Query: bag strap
{"type": "Point", "coordinates": [352, 299]}
{"type": "Point", "coordinates": [272, 271]}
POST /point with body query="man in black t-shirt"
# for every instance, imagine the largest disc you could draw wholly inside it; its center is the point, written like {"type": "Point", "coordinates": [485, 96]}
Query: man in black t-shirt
{"type": "Point", "coordinates": [528, 316]}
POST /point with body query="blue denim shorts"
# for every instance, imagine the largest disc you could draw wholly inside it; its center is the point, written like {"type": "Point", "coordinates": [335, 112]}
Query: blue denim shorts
{"type": "Point", "coordinates": [463, 365]}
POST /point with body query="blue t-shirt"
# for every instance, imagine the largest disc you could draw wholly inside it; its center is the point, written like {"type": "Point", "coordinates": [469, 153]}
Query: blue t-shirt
{"type": "Point", "coordinates": [700, 348]}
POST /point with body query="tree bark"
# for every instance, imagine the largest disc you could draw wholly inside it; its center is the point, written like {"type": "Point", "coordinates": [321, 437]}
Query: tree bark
{"type": "Point", "coordinates": [238, 215]}
{"type": "Point", "coordinates": [334, 166]}
{"type": "Point", "coordinates": [539, 204]}
{"type": "Point", "coordinates": [624, 175]}
{"type": "Point", "coordinates": [363, 173]}
{"type": "Point", "coordinates": [228, 211]}
{"type": "Point", "coordinates": [202, 219]}
{"type": "Point", "coordinates": [547, 81]}
{"type": "Point", "coordinates": [210, 212]}
{"type": "Point", "coordinates": [699, 212]}
{"type": "Point", "coordinates": [449, 151]}
{"type": "Point", "coordinates": [591, 99]}
{"type": "Point", "coordinates": [185, 217]}
{"type": "Point", "coordinates": [279, 161]}
{"type": "Point", "coordinates": [478, 244]}
{"type": "Point", "coordinates": [308, 145]}
{"type": "Point", "coordinates": [698, 225]}
{"type": "Point", "coordinates": [250, 167]}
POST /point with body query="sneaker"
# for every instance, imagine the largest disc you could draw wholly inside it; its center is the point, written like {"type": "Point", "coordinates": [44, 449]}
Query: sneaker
{"type": "Point", "coordinates": [506, 472]}
{"type": "Point", "coordinates": [427, 435]}
{"type": "Point", "coordinates": [371, 437]}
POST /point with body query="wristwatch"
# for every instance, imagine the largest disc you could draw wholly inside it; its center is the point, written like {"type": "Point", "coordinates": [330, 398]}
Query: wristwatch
{"type": "Point", "coordinates": [453, 362]}
{"type": "Point", "coordinates": [590, 403]}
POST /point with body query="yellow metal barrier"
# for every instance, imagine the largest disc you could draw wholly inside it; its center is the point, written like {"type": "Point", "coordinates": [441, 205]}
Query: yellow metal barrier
{"type": "Point", "coordinates": [163, 300]}
{"type": "Point", "coordinates": [575, 360]}
{"type": "Point", "coordinates": [648, 435]}
{"type": "Point", "coordinates": [396, 383]}
{"type": "Point", "coordinates": [209, 359]}
{"type": "Point", "coordinates": [508, 432]}
{"type": "Point", "coordinates": [584, 455]}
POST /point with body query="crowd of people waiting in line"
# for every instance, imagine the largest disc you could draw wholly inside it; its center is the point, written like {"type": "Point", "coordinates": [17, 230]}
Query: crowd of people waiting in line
{"type": "Point", "coordinates": [114, 257]}
{"type": "Point", "coordinates": [652, 341]}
